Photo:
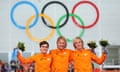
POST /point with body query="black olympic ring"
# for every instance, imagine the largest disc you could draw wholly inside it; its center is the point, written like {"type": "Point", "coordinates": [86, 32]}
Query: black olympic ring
{"type": "Point", "coordinates": [67, 14]}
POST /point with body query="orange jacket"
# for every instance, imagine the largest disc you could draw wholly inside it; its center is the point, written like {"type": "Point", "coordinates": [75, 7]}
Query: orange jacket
{"type": "Point", "coordinates": [42, 62]}
{"type": "Point", "coordinates": [82, 60]}
{"type": "Point", "coordinates": [60, 60]}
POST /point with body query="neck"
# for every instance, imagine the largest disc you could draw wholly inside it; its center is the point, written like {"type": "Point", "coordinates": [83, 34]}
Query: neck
{"type": "Point", "coordinates": [61, 49]}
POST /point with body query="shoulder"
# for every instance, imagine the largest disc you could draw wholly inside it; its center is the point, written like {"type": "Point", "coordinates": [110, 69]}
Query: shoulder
{"type": "Point", "coordinates": [88, 50]}
{"type": "Point", "coordinates": [53, 51]}
{"type": "Point", "coordinates": [36, 55]}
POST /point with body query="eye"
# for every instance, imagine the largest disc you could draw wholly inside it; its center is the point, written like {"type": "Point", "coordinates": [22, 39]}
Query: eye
{"type": "Point", "coordinates": [44, 46]}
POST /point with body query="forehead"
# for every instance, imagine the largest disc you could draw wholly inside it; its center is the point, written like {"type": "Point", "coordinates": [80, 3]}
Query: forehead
{"type": "Point", "coordinates": [77, 40]}
{"type": "Point", "coordinates": [44, 45]}
{"type": "Point", "coordinates": [63, 40]}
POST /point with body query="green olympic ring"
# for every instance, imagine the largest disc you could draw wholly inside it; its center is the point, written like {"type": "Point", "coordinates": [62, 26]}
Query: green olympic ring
{"type": "Point", "coordinates": [61, 18]}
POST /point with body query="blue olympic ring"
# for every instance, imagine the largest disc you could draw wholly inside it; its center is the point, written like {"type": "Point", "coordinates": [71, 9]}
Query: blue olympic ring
{"type": "Point", "coordinates": [24, 2]}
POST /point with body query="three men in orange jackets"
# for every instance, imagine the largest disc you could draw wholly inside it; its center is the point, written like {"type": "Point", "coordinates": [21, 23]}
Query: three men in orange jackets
{"type": "Point", "coordinates": [58, 60]}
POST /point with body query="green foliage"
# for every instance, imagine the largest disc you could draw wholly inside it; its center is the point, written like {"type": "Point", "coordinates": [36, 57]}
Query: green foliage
{"type": "Point", "coordinates": [103, 43]}
{"type": "Point", "coordinates": [92, 44]}
{"type": "Point", "coordinates": [21, 46]}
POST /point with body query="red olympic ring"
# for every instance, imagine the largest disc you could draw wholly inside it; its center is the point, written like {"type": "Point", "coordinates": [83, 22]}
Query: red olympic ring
{"type": "Point", "coordinates": [97, 12]}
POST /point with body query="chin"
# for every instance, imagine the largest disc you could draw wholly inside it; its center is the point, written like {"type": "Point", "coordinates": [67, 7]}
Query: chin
{"type": "Point", "coordinates": [44, 52]}
{"type": "Point", "coordinates": [61, 48]}
{"type": "Point", "coordinates": [79, 48]}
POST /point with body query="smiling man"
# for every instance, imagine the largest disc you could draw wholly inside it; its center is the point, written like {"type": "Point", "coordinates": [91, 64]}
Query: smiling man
{"type": "Point", "coordinates": [82, 57]}
{"type": "Point", "coordinates": [42, 60]}
{"type": "Point", "coordinates": [60, 56]}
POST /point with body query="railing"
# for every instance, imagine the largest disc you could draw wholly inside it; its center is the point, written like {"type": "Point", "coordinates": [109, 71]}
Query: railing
{"type": "Point", "coordinates": [111, 64]}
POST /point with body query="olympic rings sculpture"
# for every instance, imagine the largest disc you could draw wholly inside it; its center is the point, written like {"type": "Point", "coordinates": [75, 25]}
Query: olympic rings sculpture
{"type": "Point", "coordinates": [36, 39]}
{"type": "Point", "coordinates": [72, 15]}
{"type": "Point", "coordinates": [52, 25]}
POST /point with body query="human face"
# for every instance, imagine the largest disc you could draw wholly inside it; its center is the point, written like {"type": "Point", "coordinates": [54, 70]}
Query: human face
{"type": "Point", "coordinates": [61, 44]}
{"type": "Point", "coordinates": [78, 44]}
{"type": "Point", "coordinates": [44, 48]}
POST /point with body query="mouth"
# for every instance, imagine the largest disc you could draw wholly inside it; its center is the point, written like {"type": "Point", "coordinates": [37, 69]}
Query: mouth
{"type": "Point", "coordinates": [62, 46]}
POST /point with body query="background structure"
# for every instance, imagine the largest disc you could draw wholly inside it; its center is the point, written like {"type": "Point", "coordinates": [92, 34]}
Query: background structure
{"type": "Point", "coordinates": [106, 27]}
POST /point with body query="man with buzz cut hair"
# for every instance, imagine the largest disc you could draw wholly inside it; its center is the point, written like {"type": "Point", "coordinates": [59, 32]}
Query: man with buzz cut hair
{"type": "Point", "coordinates": [42, 60]}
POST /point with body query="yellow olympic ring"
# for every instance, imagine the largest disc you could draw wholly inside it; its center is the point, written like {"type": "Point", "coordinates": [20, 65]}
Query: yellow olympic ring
{"type": "Point", "coordinates": [36, 39]}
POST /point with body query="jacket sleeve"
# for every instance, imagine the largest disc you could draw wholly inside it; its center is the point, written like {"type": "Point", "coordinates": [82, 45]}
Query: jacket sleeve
{"type": "Point", "coordinates": [71, 56]}
{"type": "Point", "coordinates": [98, 60]}
{"type": "Point", "coordinates": [25, 60]}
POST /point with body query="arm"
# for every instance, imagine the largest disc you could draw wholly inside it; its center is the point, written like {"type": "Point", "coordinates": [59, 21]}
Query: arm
{"type": "Point", "coordinates": [99, 60]}
{"type": "Point", "coordinates": [25, 60]}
